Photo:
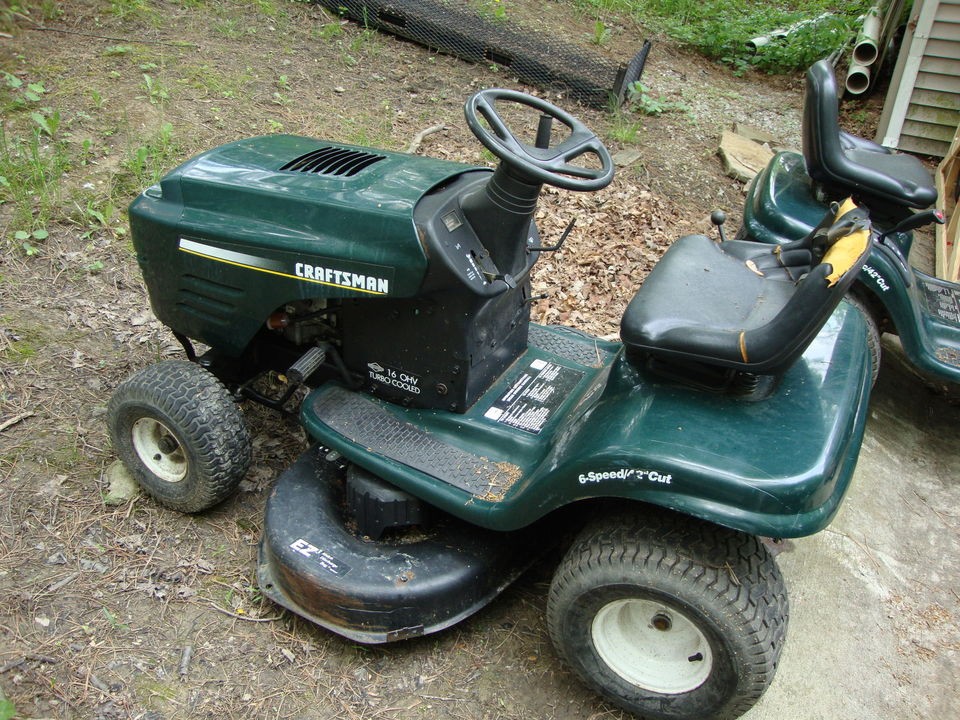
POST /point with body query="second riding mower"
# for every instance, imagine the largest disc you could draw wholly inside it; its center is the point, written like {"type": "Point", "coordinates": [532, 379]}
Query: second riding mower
{"type": "Point", "coordinates": [788, 198]}
{"type": "Point", "coordinates": [454, 442]}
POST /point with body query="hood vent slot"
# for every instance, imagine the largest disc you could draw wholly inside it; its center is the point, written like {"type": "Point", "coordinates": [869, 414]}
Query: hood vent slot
{"type": "Point", "coordinates": [333, 161]}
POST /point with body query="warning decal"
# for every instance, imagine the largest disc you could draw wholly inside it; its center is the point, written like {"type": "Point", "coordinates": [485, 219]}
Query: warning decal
{"type": "Point", "coordinates": [534, 396]}
{"type": "Point", "coordinates": [943, 302]}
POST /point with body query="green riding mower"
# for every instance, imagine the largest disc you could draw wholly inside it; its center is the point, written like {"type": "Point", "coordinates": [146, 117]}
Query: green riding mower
{"type": "Point", "coordinates": [453, 442]}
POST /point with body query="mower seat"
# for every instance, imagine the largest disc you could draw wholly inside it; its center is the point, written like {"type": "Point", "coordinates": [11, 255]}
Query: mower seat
{"type": "Point", "coordinates": [848, 165]}
{"type": "Point", "coordinates": [744, 306]}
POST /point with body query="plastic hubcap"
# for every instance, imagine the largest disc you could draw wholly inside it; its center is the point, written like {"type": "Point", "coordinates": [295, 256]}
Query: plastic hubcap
{"type": "Point", "coordinates": [652, 645]}
{"type": "Point", "coordinates": [159, 450]}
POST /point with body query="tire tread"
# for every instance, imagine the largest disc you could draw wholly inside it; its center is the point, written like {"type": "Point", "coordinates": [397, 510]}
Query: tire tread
{"type": "Point", "coordinates": [197, 404]}
{"type": "Point", "coordinates": [726, 568]}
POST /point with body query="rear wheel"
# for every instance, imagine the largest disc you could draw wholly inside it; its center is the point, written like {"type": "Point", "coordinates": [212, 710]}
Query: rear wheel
{"type": "Point", "coordinates": [180, 434]}
{"type": "Point", "coordinates": [669, 617]}
{"type": "Point", "coordinates": [873, 334]}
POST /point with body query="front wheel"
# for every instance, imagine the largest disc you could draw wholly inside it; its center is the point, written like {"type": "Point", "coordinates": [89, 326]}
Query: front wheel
{"type": "Point", "coordinates": [180, 434]}
{"type": "Point", "coordinates": [669, 617]}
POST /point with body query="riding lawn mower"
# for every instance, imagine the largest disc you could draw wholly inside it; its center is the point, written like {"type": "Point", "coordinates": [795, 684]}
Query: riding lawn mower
{"type": "Point", "coordinates": [453, 442]}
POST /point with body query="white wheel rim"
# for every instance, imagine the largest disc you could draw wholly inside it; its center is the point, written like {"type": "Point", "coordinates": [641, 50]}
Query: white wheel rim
{"type": "Point", "coordinates": [159, 450]}
{"type": "Point", "coordinates": [652, 646]}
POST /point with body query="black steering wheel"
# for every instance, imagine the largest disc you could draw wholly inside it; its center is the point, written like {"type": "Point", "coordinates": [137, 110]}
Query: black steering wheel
{"type": "Point", "coordinates": [551, 165]}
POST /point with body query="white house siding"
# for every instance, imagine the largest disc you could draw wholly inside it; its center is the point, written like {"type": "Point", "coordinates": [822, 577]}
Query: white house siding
{"type": "Point", "coordinates": [922, 108]}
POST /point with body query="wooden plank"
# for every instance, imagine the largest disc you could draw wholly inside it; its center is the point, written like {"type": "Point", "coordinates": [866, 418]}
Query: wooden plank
{"type": "Point", "coordinates": [948, 236]}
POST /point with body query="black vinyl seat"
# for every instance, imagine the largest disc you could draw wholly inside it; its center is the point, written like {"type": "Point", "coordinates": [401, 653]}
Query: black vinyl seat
{"type": "Point", "coordinates": [848, 165]}
{"type": "Point", "coordinates": [744, 306]}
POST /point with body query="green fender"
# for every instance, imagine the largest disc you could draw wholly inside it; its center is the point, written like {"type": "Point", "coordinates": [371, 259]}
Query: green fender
{"type": "Point", "coordinates": [776, 466]}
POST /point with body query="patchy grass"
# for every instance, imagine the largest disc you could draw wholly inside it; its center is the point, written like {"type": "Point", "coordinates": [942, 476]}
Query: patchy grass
{"type": "Point", "coordinates": [149, 160]}
{"type": "Point", "coordinates": [720, 29]}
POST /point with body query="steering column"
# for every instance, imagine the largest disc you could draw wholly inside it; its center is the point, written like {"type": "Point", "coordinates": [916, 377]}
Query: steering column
{"type": "Point", "coordinates": [501, 211]}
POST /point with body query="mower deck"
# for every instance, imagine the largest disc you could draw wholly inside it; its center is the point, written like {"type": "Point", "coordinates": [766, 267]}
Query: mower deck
{"type": "Point", "coordinates": [314, 563]}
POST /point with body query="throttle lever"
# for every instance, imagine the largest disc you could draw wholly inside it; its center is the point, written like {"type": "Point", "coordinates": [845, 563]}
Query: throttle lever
{"type": "Point", "coordinates": [558, 244]}
{"type": "Point", "coordinates": [911, 222]}
{"type": "Point", "coordinates": [718, 218]}
{"type": "Point", "coordinates": [914, 221]}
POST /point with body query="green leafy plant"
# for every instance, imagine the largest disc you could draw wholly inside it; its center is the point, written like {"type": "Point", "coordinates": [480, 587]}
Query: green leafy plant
{"type": "Point", "coordinates": [114, 621]}
{"type": "Point", "coordinates": [720, 29]}
{"type": "Point", "coordinates": [601, 33]}
{"type": "Point", "coordinates": [25, 238]}
{"type": "Point", "coordinates": [32, 165]}
{"type": "Point", "coordinates": [8, 710]}
{"type": "Point", "coordinates": [48, 122]}
{"type": "Point", "coordinates": [624, 129]}
{"type": "Point", "coordinates": [496, 9]}
{"type": "Point", "coordinates": [124, 8]}
{"type": "Point", "coordinates": [641, 100]}
{"type": "Point", "coordinates": [156, 92]}
{"type": "Point", "coordinates": [267, 7]}
{"type": "Point", "coordinates": [804, 46]}
{"type": "Point", "coordinates": [22, 94]}
{"type": "Point", "coordinates": [43, 10]}
{"type": "Point", "coordinates": [217, 81]}
{"type": "Point", "coordinates": [117, 50]}
{"type": "Point", "coordinates": [148, 162]}
{"type": "Point", "coordinates": [279, 96]}
{"type": "Point", "coordinates": [96, 215]}
{"type": "Point", "coordinates": [232, 28]}
{"type": "Point", "coordinates": [332, 30]}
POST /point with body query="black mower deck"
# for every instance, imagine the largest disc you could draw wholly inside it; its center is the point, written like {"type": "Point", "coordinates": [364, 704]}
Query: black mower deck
{"type": "Point", "coordinates": [313, 563]}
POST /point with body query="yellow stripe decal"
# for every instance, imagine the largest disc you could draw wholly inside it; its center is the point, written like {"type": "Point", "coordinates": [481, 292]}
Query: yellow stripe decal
{"type": "Point", "coordinates": [278, 273]}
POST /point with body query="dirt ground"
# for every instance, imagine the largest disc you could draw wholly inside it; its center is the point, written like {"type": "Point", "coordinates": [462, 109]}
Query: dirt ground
{"type": "Point", "coordinates": [131, 611]}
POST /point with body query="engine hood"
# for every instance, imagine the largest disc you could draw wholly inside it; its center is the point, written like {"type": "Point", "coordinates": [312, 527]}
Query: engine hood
{"type": "Point", "coordinates": [289, 194]}
{"type": "Point", "coordinates": [240, 230]}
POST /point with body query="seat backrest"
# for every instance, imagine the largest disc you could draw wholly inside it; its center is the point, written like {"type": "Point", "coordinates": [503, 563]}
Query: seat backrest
{"type": "Point", "coordinates": [817, 294]}
{"type": "Point", "coordinates": [888, 183]}
{"type": "Point", "coordinates": [821, 124]}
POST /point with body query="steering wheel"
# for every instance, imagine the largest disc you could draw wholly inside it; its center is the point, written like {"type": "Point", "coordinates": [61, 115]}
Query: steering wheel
{"type": "Point", "coordinates": [546, 165]}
